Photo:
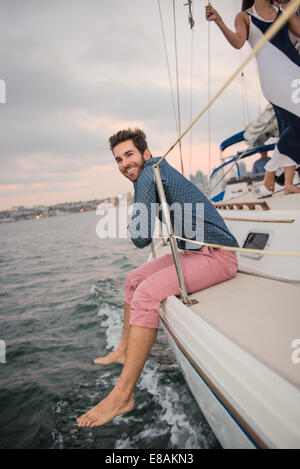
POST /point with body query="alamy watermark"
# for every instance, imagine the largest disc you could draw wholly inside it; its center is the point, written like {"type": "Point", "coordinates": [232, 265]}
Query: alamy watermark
{"type": "Point", "coordinates": [139, 222]}
{"type": "Point", "coordinates": [296, 353]}
{"type": "Point", "coordinates": [2, 351]}
{"type": "Point", "coordinates": [2, 92]}
{"type": "Point", "coordinates": [296, 92]}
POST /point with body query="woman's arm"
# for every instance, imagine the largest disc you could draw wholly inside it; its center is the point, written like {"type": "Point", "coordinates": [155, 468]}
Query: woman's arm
{"type": "Point", "coordinates": [294, 21]}
{"type": "Point", "coordinates": [238, 38]}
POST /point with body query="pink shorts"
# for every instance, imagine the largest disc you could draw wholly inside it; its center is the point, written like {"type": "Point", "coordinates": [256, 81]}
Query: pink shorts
{"type": "Point", "coordinates": [151, 283]}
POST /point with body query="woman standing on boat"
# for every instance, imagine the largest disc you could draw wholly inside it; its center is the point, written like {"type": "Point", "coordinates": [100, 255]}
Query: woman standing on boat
{"type": "Point", "coordinates": [278, 64]}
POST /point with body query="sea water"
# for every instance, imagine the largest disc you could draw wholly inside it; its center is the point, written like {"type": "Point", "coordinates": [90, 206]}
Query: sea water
{"type": "Point", "coordinates": [61, 294]}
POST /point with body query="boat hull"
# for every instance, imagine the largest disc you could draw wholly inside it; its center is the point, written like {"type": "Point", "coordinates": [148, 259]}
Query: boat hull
{"type": "Point", "coordinates": [246, 403]}
{"type": "Point", "coordinates": [222, 422]}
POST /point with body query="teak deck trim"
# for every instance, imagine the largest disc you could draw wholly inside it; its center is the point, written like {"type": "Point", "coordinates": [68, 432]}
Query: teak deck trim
{"type": "Point", "coordinates": [257, 220]}
{"type": "Point", "coordinates": [241, 205]}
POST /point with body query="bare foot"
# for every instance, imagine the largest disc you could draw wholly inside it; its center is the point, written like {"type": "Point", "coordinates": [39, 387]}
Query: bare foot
{"type": "Point", "coordinates": [117, 356]}
{"type": "Point", "coordinates": [291, 189]}
{"type": "Point", "coordinates": [269, 180]}
{"type": "Point", "coordinates": [112, 406]}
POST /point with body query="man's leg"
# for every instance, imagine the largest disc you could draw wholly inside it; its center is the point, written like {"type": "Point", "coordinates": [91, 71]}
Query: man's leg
{"type": "Point", "coordinates": [120, 400]}
{"type": "Point", "coordinates": [200, 270]}
{"type": "Point", "coordinates": [133, 280]}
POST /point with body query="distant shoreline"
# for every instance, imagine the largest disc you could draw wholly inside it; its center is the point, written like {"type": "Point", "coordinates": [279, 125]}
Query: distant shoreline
{"type": "Point", "coordinates": [41, 211]}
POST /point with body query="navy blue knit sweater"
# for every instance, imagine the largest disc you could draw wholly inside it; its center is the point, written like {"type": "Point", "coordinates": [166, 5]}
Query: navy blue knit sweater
{"type": "Point", "coordinates": [192, 215]}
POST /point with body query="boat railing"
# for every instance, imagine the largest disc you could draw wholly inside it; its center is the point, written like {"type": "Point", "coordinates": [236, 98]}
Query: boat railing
{"type": "Point", "coordinates": [173, 243]}
{"type": "Point", "coordinates": [234, 162]}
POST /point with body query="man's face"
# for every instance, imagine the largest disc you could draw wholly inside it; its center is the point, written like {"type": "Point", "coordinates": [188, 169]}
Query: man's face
{"type": "Point", "coordinates": [130, 161]}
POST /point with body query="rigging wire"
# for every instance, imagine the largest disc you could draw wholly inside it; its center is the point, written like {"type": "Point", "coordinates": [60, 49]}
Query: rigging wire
{"type": "Point", "coordinates": [242, 81]}
{"type": "Point", "coordinates": [191, 97]}
{"type": "Point", "coordinates": [246, 96]}
{"type": "Point", "coordinates": [177, 85]}
{"type": "Point", "coordinates": [209, 98]}
{"type": "Point", "coordinates": [168, 67]}
{"type": "Point", "coordinates": [276, 26]}
{"type": "Point", "coordinates": [191, 80]}
{"type": "Point", "coordinates": [243, 104]}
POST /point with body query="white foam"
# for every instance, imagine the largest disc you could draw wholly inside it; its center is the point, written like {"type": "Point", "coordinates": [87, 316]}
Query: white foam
{"type": "Point", "coordinates": [113, 325]}
{"type": "Point", "coordinates": [183, 435]}
{"type": "Point", "coordinates": [94, 291]}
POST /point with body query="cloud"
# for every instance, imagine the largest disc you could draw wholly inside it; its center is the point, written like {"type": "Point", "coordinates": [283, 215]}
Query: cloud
{"type": "Point", "coordinates": [78, 70]}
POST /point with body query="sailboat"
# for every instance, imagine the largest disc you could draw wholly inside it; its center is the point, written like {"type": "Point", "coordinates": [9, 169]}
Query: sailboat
{"type": "Point", "coordinates": [238, 342]}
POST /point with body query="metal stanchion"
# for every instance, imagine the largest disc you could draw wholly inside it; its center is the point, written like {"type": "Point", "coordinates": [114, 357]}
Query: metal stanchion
{"type": "Point", "coordinates": [173, 243]}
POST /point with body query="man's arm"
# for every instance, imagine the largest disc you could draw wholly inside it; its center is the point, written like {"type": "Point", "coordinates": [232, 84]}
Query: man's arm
{"type": "Point", "coordinates": [142, 223]}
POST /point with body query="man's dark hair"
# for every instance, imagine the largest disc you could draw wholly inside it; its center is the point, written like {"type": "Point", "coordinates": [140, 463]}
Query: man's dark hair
{"type": "Point", "coordinates": [136, 135]}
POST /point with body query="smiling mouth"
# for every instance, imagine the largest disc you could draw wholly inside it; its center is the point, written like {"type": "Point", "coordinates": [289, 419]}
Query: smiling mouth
{"type": "Point", "coordinates": [130, 170]}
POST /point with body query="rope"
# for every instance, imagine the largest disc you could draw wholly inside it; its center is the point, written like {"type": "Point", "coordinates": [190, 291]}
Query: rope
{"type": "Point", "coordinates": [252, 251]}
{"type": "Point", "coordinates": [191, 18]}
{"type": "Point", "coordinates": [258, 91]}
{"type": "Point", "coordinates": [270, 33]}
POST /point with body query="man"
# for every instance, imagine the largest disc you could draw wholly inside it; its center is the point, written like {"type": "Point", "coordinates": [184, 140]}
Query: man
{"type": "Point", "coordinates": [259, 165]}
{"type": "Point", "coordinates": [148, 285]}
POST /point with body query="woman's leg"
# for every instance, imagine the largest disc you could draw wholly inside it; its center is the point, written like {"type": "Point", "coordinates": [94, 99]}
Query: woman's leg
{"type": "Point", "coordinates": [287, 151]}
{"type": "Point", "coordinates": [269, 180]}
{"type": "Point", "coordinates": [289, 187]}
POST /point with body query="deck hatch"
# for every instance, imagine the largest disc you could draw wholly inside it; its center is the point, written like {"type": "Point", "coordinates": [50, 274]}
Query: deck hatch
{"type": "Point", "coordinates": [256, 241]}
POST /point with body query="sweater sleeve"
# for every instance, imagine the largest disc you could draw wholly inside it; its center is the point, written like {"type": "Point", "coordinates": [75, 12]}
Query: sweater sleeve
{"type": "Point", "coordinates": [142, 224]}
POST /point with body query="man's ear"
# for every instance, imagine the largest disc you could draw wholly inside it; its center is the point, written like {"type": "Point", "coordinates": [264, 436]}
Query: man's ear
{"type": "Point", "coordinates": [147, 154]}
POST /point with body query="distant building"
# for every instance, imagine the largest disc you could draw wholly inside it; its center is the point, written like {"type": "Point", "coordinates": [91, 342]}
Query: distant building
{"type": "Point", "coordinates": [201, 181]}
{"type": "Point", "coordinates": [199, 178]}
{"type": "Point", "coordinates": [243, 169]}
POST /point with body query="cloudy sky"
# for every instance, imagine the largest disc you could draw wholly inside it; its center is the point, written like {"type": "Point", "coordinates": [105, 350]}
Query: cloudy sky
{"type": "Point", "coordinates": [76, 71]}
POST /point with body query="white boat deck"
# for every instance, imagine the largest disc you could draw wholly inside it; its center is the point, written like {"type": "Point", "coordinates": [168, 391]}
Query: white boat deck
{"type": "Point", "coordinates": [260, 315]}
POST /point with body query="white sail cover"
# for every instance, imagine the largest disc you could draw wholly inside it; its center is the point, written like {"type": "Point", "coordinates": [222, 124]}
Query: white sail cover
{"type": "Point", "coordinates": [264, 127]}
